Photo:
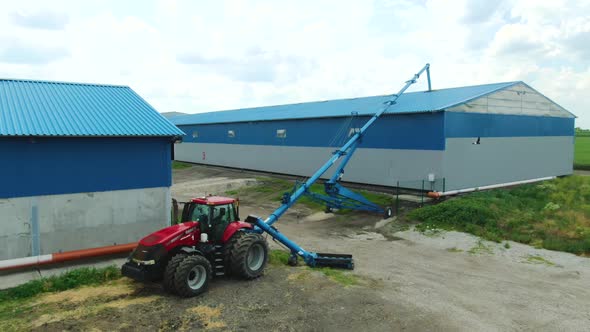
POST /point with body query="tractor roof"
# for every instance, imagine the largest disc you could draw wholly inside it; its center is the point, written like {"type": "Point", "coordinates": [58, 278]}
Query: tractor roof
{"type": "Point", "coordinates": [213, 200]}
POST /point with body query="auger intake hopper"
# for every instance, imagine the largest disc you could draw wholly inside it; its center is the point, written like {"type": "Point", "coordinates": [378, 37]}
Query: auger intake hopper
{"type": "Point", "coordinates": [339, 261]}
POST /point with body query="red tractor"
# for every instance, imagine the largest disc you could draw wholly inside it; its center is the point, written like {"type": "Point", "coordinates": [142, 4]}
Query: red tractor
{"type": "Point", "coordinates": [210, 241]}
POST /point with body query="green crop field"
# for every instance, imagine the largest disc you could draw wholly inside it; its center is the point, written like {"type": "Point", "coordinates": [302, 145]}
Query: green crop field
{"type": "Point", "coordinates": [582, 152]}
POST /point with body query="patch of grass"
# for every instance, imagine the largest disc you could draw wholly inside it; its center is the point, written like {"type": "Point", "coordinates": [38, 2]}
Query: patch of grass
{"type": "Point", "coordinates": [71, 279]}
{"type": "Point", "coordinates": [553, 215]}
{"type": "Point", "coordinates": [480, 248]}
{"type": "Point", "coordinates": [281, 257]}
{"type": "Point", "coordinates": [273, 189]}
{"type": "Point", "coordinates": [278, 257]}
{"type": "Point", "coordinates": [507, 245]}
{"type": "Point", "coordinates": [534, 259]}
{"type": "Point", "coordinates": [454, 249]}
{"type": "Point", "coordinates": [232, 192]}
{"type": "Point", "coordinates": [582, 152]}
{"type": "Point", "coordinates": [180, 165]}
{"type": "Point", "coordinates": [339, 276]}
{"type": "Point", "coordinates": [17, 305]}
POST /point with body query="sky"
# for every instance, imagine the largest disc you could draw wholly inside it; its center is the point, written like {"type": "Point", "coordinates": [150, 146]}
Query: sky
{"type": "Point", "coordinates": [197, 56]}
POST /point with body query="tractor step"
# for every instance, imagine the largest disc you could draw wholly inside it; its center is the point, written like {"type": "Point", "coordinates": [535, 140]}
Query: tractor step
{"type": "Point", "coordinates": [340, 261]}
{"type": "Point", "coordinates": [218, 261]}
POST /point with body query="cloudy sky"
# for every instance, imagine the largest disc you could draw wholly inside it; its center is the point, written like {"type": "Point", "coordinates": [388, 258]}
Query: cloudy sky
{"type": "Point", "coordinates": [197, 56]}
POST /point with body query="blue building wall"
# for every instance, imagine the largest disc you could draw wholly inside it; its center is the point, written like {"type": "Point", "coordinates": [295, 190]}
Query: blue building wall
{"type": "Point", "coordinates": [422, 131]}
{"type": "Point", "coordinates": [459, 124]}
{"type": "Point", "coordinates": [45, 166]}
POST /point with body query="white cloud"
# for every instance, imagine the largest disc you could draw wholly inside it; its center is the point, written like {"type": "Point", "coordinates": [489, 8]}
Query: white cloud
{"type": "Point", "coordinates": [194, 56]}
{"type": "Point", "coordinates": [40, 19]}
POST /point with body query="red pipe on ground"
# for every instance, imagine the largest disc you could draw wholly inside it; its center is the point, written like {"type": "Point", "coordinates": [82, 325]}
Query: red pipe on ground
{"type": "Point", "coordinates": [59, 257]}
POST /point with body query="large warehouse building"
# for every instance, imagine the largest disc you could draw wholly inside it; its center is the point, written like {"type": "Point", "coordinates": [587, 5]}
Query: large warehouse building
{"type": "Point", "coordinates": [83, 166]}
{"type": "Point", "coordinates": [461, 138]}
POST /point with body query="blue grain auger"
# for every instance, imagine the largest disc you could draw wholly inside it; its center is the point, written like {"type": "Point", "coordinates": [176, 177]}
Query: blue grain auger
{"type": "Point", "coordinates": [336, 196]}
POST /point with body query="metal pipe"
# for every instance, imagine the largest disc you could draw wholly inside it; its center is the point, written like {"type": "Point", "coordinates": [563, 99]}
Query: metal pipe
{"type": "Point", "coordinates": [437, 194]}
{"type": "Point", "coordinates": [17, 263]}
{"type": "Point", "coordinates": [428, 76]}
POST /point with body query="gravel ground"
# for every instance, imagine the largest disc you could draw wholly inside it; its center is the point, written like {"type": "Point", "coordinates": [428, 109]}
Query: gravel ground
{"type": "Point", "coordinates": [452, 280]}
{"type": "Point", "coordinates": [443, 281]}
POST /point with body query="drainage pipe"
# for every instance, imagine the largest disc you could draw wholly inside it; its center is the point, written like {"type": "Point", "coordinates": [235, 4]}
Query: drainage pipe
{"type": "Point", "coordinates": [58, 257]}
{"type": "Point", "coordinates": [437, 194]}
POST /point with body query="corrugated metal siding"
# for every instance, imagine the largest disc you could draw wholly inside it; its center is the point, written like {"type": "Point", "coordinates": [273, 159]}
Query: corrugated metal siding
{"type": "Point", "coordinates": [505, 159]}
{"type": "Point", "coordinates": [40, 108]}
{"type": "Point", "coordinates": [460, 124]}
{"type": "Point", "coordinates": [424, 131]}
{"type": "Point", "coordinates": [413, 102]}
{"type": "Point", "coordinates": [60, 165]}
{"type": "Point", "coordinates": [370, 166]}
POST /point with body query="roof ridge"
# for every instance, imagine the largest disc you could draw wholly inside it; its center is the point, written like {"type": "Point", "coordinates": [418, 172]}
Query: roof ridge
{"type": "Point", "coordinates": [508, 83]}
{"type": "Point", "coordinates": [61, 82]}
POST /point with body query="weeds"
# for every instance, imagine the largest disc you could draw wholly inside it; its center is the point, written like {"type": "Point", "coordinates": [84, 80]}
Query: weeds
{"type": "Point", "coordinates": [341, 277]}
{"type": "Point", "coordinates": [279, 257]}
{"type": "Point", "coordinates": [480, 248]}
{"type": "Point", "coordinates": [538, 260]}
{"type": "Point", "coordinates": [71, 279]}
{"type": "Point", "coordinates": [454, 249]}
{"type": "Point", "coordinates": [553, 215]}
{"type": "Point", "coordinates": [272, 189]}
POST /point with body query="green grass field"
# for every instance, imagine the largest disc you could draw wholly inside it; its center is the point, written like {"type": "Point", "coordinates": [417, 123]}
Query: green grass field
{"type": "Point", "coordinates": [553, 215]}
{"type": "Point", "coordinates": [582, 153]}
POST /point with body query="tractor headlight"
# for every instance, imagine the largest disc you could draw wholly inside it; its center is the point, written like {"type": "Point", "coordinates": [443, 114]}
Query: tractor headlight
{"type": "Point", "coordinates": [150, 262]}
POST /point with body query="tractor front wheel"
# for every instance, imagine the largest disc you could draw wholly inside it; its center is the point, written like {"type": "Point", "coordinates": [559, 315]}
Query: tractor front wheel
{"type": "Point", "coordinates": [170, 271]}
{"type": "Point", "coordinates": [192, 276]}
{"type": "Point", "coordinates": [388, 213]}
{"type": "Point", "coordinates": [248, 256]}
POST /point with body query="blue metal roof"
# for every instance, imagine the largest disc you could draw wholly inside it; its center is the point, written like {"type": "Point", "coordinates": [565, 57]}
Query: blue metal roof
{"type": "Point", "coordinates": [412, 102]}
{"type": "Point", "coordinates": [42, 108]}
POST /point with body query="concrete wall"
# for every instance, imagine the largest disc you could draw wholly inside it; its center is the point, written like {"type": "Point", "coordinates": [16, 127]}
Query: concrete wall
{"type": "Point", "coordinates": [372, 166]}
{"type": "Point", "coordinates": [505, 159]}
{"type": "Point", "coordinates": [53, 223]}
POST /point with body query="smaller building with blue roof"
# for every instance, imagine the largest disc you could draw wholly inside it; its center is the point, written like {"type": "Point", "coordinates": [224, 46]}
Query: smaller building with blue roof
{"type": "Point", "coordinates": [443, 140]}
{"type": "Point", "coordinates": [82, 166]}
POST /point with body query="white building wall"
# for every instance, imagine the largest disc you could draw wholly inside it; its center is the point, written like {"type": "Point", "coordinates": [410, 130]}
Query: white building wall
{"type": "Point", "coordinates": [499, 160]}
{"type": "Point", "coordinates": [372, 166]}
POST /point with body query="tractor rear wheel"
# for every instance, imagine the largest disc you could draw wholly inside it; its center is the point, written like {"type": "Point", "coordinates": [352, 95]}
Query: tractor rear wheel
{"type": "Point", "coordinates": [192, 276]}
{"type": "Point", "coordinates": [248, 255]}
{"type": "Point", "coordinates": [169, 272]}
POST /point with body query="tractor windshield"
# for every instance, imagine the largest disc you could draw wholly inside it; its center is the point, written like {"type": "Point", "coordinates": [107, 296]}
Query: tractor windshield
{"type": "Point", "coordinates": [201, 213]}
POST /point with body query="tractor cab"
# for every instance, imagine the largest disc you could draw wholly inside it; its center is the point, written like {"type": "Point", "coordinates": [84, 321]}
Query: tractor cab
{"type": "Point", "coordinates": [214, 214]}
